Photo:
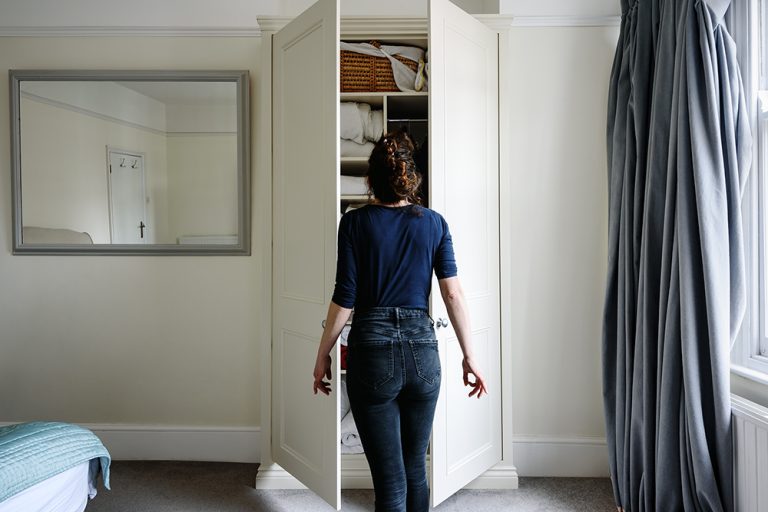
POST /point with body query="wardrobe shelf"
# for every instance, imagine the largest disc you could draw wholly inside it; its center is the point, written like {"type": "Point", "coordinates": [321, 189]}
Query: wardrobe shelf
{"type": "Point", "coordinates": [354, 160]}
{"type": "Point", "coordinates": [375, 97]}
{"type": "Point", "coordinates": [354, 166]}
{"type": "Point", "coordinates": [355, 198]}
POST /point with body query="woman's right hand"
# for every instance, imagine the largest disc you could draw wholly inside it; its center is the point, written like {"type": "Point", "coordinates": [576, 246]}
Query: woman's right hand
{"type": "Point", "coordinates": [322, 370]}
{"type": "Point", "coordinates": [478, 386]}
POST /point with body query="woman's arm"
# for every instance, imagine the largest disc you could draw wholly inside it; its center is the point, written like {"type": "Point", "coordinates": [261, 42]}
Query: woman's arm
{"type": "Point", "coordinates": [453, 297]}
{"type": "Point", "coordinates": [334, 323]}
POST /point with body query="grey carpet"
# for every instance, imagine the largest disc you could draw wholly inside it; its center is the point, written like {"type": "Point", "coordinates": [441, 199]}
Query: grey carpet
{"type": "Point", "coordinates": [139, 486]}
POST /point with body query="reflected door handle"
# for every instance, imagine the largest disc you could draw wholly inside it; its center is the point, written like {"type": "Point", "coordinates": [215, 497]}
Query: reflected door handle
{"type": "Point", "coordinates": [441, 322]}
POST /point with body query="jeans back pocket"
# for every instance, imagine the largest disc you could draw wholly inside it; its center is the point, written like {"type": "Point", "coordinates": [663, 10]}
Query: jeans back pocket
{"type": "Point", "coordinates": [427, 359]}
{"type": "Point", "coordinates": [372, 364]}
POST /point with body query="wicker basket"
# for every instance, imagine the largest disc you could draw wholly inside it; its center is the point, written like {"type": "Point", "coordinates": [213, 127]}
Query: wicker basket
{"type": "Point", "coordinates": [366, 73]}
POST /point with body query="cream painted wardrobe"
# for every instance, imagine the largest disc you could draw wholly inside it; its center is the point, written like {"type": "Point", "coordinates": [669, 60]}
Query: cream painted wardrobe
{"type": "Point", "coordinates": [471, 439]}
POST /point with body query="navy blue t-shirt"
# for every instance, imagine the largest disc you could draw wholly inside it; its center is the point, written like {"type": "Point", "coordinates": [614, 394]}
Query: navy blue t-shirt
{"type": "Point", "coordinates": [387, 255]}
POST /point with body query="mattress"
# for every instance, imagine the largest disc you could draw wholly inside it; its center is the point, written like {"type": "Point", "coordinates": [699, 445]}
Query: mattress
{"type": "Point", "coordinates": [66, 492]}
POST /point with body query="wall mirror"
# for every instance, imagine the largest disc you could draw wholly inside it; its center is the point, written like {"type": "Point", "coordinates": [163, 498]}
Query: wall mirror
{"type": "Point", "coordinates": [130, 162]}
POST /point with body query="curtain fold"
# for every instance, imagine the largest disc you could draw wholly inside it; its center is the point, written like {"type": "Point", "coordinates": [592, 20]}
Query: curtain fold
{"type": "Point", "coordinates": [679, 150]}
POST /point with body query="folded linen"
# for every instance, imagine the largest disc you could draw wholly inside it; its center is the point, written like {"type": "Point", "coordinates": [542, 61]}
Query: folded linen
{"type": "Point", "coordinates": [352, 148]}
{"type": "Point", "coordinates": [353, 186]}
{"type": "Point", "coordinates": [352, 449]}
{"type": "Point", "coordinates": [350, 439]}
{"type": "Point", "coordinates": [359, 123]}
{"type": "Point", "coordinates": [344, 334]}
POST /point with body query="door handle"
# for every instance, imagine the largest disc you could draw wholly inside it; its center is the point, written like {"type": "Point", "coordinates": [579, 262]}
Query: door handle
{"type": "Point", "coordinates": [441, 322]}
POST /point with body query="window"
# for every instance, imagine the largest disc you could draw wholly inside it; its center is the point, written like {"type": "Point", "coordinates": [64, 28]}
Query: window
{"type": "Point", "coordinates": [749, 27]}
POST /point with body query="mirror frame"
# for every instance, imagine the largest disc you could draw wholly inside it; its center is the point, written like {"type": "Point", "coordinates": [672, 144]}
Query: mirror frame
{"type": "Point", "coordinates": [241, 78]}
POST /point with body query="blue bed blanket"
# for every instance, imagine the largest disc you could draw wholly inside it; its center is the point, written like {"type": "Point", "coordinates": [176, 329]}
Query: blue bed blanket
{"type": "Point", "coordinates": [33, 452]}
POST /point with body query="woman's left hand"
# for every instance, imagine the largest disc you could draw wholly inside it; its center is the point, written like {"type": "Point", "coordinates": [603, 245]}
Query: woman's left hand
{"type": "Point", "coordinates": [322, 369]}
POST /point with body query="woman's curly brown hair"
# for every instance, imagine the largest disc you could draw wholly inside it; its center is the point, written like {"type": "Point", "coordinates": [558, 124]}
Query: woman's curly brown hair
{"type": "Point", "coordinates": [392, 174]}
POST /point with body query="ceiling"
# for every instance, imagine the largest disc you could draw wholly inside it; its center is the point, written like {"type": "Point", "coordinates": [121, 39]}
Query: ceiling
{"type": "Point", "coordinates": [187, 93]}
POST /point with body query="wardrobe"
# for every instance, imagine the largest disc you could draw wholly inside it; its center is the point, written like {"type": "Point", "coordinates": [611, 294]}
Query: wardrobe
{"type": "Point", "coordinates": [300, 91]}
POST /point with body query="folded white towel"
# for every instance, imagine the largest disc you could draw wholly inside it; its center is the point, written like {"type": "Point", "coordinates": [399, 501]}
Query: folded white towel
{"type": "Point", "coordinates": [353, 186]}
{"type": "Point", "coordinates": [350, 439]}
{"type": "Point", "coordinates": [359, 123]}
{"type": "Point", "coordinates": [351, 120]}
{"type": "Point", "coordinates": [352, 148]}
{"type": "Point", "coordinates": [373, 128]}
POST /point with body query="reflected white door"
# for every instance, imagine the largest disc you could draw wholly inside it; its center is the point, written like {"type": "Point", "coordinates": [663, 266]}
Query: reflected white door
{"type": "Point", "coordinates": [127, 198]}
{"type": "Point", "coordinates": [464, 177]}
{"type": "Point", "coordinates": [305, 427]}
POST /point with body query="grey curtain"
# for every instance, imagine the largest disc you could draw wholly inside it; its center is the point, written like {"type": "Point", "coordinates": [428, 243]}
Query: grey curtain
{"type": "Point", "coordinates": [678, 153]}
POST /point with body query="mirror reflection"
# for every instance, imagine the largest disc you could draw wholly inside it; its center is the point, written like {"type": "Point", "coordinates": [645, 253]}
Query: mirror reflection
{"type": "Point", "coordinates": [129, 162]}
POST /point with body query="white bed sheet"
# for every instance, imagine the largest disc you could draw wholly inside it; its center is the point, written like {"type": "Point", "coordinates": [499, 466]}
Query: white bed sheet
{"type": "Point", "coordinates": [66, 492]}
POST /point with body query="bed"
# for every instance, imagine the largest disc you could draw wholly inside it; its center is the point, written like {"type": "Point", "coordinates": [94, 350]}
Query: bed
{"type": "Point", "coordinates": [40, 235]}
{"type": "Point", "coordinates": [50, 467]}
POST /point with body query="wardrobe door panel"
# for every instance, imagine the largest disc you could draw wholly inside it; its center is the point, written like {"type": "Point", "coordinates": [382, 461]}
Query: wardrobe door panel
{"type": "Point", "coordinates": [464, 181]}
{"type": "Point", "coordinates": [305, 427]}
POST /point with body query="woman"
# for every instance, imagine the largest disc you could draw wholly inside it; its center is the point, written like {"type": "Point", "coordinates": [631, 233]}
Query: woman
{"type": "Point", "coordinates": [387, 253]}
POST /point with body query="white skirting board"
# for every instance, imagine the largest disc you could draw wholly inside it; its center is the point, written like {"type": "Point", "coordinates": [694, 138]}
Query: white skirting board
{"type": "Point", "coordinates": [219, 444]}
{"type": "Point", "coordinates": [204, 443]}
{"type": "Point", "coordinates": [561, 456]}
{"type": "Point", "coordinates": [533, 455]}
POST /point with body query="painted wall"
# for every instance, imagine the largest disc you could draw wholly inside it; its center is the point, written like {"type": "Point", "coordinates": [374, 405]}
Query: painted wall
{"type": "Point", "coordinates": [130, 340]}
{"type": "Point", "coordinates": [559, 230]}
{"type": "Point", "coordinates": [585, 8]}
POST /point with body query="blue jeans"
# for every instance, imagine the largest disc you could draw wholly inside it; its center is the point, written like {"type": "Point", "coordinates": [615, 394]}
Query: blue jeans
{"type": "Point", "coordinates": [393, 381]}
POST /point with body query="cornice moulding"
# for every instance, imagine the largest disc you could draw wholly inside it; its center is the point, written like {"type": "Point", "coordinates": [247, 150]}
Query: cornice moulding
{"type": "Point", "coordinates": [351, 26]}
{"type": "Point", "coordinates": [384, 25]}
{"type": "Point", "coordinates": [566, 21]}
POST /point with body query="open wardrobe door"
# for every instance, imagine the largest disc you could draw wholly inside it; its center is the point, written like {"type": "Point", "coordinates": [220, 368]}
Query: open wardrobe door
{"type": "Point", "coordinates": [464, 188]}
{"type": "Point", "coordinates": [305, 427]}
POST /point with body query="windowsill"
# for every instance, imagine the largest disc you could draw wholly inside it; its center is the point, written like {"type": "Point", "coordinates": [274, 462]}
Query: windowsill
{"type": "Point", "coordinates": [749, 384]}
{"type": "Point", "coordinates": [749, 373]}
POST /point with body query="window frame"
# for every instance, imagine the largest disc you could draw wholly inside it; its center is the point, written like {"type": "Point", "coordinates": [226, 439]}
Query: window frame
{"type": "Point", "coordinates": [758, 346]}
